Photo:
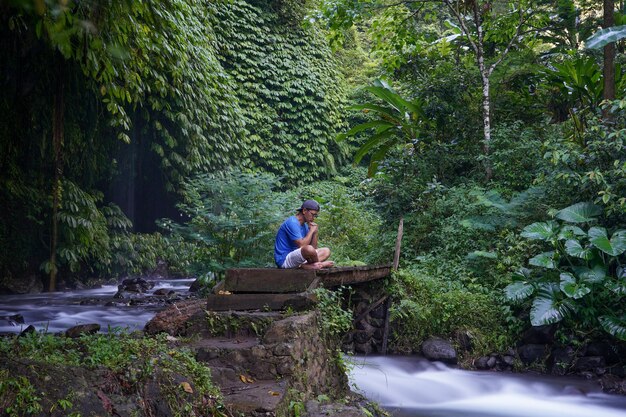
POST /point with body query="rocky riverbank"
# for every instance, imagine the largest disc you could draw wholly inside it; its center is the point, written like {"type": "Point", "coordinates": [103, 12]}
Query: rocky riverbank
{"type": "Point", "coordinates": [260, 363]}
{"type": "Point", "coordinates": [538, 351]}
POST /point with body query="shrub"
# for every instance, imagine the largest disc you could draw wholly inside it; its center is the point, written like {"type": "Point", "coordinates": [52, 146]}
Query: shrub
{"type": "Point", "coordinates": [233, 218]}
{"type": "Point", "coordinates": [430, 305]}
{"type": "Point", "coordinates": [581, 275]}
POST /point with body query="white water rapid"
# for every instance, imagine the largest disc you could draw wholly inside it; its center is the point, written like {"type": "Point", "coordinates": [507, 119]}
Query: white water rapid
{"type": "Point", "coordinates": [58, 311]}
{"type": "Point", "coordinates": [415, 387]}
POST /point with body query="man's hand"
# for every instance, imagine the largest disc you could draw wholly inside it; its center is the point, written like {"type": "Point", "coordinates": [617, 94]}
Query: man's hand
{"type": "Point", "coordinates": [313, 226]}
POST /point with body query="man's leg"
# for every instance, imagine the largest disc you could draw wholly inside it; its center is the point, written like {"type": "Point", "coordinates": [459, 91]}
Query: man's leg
{"type": "Point", "coordinates": [315, 258]}
{"type": "Point", "coordinates": [323, 254]}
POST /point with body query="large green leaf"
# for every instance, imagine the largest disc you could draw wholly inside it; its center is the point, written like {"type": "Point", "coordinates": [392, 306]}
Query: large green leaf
{"type": "Point", "coordinates": [570, 232]}
{"type": "Point", "coordinates": [375, 124]}
{"type": "Point", "coordinates": [518, 291]}
{"type": "Point", "coordinates": [544, 260]}
{"type": "Point", "coordinates": [571, 288]}
{"type": "Point", "coordinates": [574, 248]}
{"type": "Point", "coordinates": [614, 246]}
{"type": "Point", "coordinates": [579, 213]}
{"type": "Point", "coordinates": [373, 142]}
{"type": "Point", "coordinates": [589, 275]}
{"type": "Point", "coordinates": [548, 309]}
{"type": "Point", "coordinates": [378, 155]}
{"type": "Point", "coordinates": [618, 287]}
{"type": "Point", "coordinates": [478, 254]}
{"type": "Point", "coordinates": [540, 230]}
{"type": "Point", "coordinates": [614, 326]}
{"type": "Point", "coordinates": [605, 36]}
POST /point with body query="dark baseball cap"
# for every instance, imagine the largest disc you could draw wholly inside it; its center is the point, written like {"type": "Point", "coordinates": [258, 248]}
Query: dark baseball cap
{"type": "Point", "coordinates": [310, 205]}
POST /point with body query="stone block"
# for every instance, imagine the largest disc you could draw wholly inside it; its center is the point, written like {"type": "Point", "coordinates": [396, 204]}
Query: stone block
{"type": "Point", "coordinates": [589, 363]}
{"type": "Point", "coordinates": [283, 349]}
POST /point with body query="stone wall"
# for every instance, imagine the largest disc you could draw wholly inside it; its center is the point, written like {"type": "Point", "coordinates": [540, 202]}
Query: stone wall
{"type": "Point", "coordinates": [255, 353]}
{"type": "Point", "coordinates": [367, 335]}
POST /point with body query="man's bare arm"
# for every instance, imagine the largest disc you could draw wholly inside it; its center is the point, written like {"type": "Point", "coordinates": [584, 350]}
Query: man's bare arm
{"type": "Point", "coordinates": [310, 237]}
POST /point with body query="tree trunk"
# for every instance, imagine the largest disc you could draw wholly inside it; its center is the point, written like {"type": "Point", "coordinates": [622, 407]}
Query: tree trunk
{"type": "Point", "coordinates": [609, 56]}
{"type": "Point", "coordinates": [484, 77]}
{"type": "Point", "coordinates": [486, 126]}
{"type": "Point", "coordinates": [57, 148]}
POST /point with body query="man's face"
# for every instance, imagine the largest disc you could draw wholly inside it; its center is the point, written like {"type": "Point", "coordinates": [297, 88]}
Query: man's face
{"type": "Point", "coordinates": [310, 215]}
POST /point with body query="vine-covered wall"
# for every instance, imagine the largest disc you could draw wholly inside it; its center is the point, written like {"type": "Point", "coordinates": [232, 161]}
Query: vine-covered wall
{"type": "Point", "coordinates": [287, 84]}
{"type": "Point", "coordinates": [148, 95]}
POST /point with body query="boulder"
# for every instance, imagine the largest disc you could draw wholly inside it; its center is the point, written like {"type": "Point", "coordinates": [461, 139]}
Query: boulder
{"type": "Point", "coordinates": [613, 384]}
{"type": "Point", "coordinates": [28, 330]}
{"type": "Point", "coordinates": [531, 353]}
{"type": "Point", "coordinates": [164, 292]}
{"type": "Point", "coordinates": [13, 320]}
{"type": "Point", "coordinates": [482, 362]}
{"type": "Point", "coordinates": [175, 319]}
{"type": "Point", "coordinates": [196, 285]}
{"type": "Point", "coordinates": [436, 349]}
{"type": "Point", "coordinates": [539, 335]}
{"type": "Point", "coordinates": [138, 285]}
{"type": "Point", "coordinates": [82, 329]}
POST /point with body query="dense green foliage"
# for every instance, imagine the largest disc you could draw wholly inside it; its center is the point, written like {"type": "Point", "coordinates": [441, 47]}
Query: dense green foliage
{"type": "Point", "coordinates": [554, 142]}
{"type": "Point", "coordinates": [429, 304]}
{"type": "Point", "coordinates": [233, 219]}
{"type": "Point", "coordinates": [287, 86]}
{"type": "Point", "coordinates": [117, 101]}
{"type": "Point", "coordinates": [490, 121]}
{"type": "Point", "coordinates": [132, 360]}
{"type": "Point", "coordinates": [580, 276]}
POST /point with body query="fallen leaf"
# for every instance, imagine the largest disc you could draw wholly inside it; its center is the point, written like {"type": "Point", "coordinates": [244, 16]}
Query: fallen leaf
{"type": "Point", "coordinates": [274, 393]}
{"type": "Point", "coordinates": [186, 387]}
{"type": "Point", "coordinates": [246, 379]}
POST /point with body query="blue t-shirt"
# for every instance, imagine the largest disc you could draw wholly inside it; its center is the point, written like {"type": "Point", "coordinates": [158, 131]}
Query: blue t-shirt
{"type": "Point", "coordinates": [290, 231]}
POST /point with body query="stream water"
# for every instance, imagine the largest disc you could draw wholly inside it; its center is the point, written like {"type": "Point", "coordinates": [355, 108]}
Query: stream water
{"type": "Point", "coordinates": [405, 386]}
{"type": "Point", "coordinates": [58, 311]}
{"type": "Point", "coordinates": [415, 387]}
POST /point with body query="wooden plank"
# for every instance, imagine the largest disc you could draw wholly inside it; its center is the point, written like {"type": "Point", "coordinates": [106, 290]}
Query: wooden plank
{"type": "Point", "coordinates": [268, 280]}
{"type": "Point", "coordinates": [335, 277]}
{"type": "Point", "coordinates": [259, 301]}
{"type": "Point", "coordinates": [370, 308]}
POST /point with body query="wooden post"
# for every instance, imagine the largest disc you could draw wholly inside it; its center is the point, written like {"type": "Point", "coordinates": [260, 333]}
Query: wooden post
{"type": "Point", "coordinates": [396, 264]}
{"type": "Point", "coordinates": [396, 256]}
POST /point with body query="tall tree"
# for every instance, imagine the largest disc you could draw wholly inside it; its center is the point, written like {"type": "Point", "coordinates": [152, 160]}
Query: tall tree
{"type": "Point", "coordinates": [491, 30]}
{"type": "Point", "coordinates": [609, 53]}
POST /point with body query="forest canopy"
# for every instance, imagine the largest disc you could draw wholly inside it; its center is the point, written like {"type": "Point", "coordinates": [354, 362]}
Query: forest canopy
{"type": "Point", "coordinates": [183, 131]}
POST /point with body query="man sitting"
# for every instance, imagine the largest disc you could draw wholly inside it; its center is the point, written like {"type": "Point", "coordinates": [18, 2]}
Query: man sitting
{"type": "Point", "coordinates": [296, 241]}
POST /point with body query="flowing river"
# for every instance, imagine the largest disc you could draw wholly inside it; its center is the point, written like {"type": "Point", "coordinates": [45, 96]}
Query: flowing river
{"type": "Point", "coordinates": [405, 386]}
{"type": "Point", "coordinates": [58, 311]}
{"type": "Point", "coordinates": [415, 387]}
